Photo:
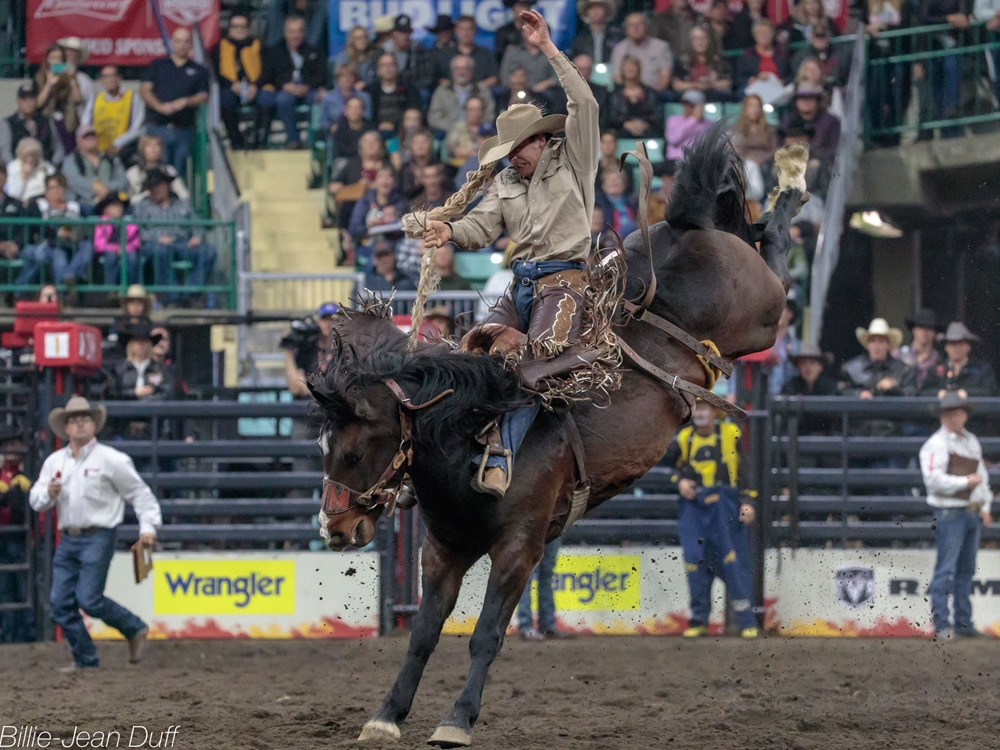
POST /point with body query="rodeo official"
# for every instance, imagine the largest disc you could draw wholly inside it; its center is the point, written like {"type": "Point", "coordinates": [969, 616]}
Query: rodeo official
{"type": "Point", "coordinates": [89, 483]}
{"type": "Point", "coordinates": [711, 517]}
{"type": "Point", "coordinates": [544, 200]}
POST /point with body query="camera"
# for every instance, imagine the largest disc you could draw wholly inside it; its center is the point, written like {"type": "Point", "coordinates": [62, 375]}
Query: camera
{"type": "Point", "coordinates": [303, 333]}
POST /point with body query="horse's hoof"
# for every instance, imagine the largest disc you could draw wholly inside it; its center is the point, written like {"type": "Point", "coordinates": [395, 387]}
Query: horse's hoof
{"type": "Point", "coordinates": [447, 736]}
{"type": "Point", "coordinates": [379, 730]}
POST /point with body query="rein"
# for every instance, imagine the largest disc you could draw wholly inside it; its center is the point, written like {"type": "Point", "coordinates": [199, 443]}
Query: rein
{"type": "Point", "coordinates": [706, 351]}
{"type": "Point", "coordinates": [339, 498]}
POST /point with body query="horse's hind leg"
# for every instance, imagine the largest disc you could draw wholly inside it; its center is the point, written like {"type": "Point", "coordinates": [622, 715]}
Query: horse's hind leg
{"type": "Point", "coordinates": [441, 580]}
{"type": "Point", "coordinates": [511, 570]}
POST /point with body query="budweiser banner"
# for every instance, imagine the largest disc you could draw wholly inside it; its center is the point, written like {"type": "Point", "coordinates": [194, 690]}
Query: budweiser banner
{"type": "Point", "coordinates": [117, 32]}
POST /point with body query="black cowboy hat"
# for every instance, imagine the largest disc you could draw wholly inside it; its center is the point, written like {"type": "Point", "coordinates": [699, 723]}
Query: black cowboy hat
{"type": "Point", "coordinates": [107, 200]}
{"type": "Point", "coordinates": [952, 400]}
{"type": "Point", "coordinates": [154, 177]}
{"type": "Point", "coordinates": [925, 317]}
{"type": "Point", "coordinates": [139, 329]}
{"type": "Point", "coordinates": [443, 23]}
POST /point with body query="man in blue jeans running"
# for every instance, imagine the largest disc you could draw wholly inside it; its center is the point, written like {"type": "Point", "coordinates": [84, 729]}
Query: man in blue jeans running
{"type": "Point", "coordinates": [89, 483]}
{"type": "Point", "coordinates": [958, 488]}
{"type": "Point", "coordinates": [544, 200]}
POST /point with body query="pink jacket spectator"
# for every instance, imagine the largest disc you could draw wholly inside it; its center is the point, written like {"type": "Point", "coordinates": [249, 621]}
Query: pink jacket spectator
{"type": "Point", "coordinates": [106, 239]}
{"type": "Point", "coordinates": [683, 131]}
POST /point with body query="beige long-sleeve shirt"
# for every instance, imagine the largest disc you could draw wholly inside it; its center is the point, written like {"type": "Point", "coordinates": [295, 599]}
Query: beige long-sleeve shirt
{"type": "Point", "coordinates": [547, 215]}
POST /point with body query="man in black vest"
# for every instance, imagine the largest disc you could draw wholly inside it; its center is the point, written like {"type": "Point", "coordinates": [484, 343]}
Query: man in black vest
{"type": "Point", "coordinates": [28, 122]}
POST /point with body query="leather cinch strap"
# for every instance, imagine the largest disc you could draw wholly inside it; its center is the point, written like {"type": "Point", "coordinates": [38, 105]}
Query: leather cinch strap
{"type": "Point", "coordinates": [681, 336]}
{"type": "Point", "coordinates": [581, 495]}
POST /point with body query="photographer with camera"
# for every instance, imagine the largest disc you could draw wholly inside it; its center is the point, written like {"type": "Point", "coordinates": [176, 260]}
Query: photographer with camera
{"type": "Point", "coordinates": [307, 349]}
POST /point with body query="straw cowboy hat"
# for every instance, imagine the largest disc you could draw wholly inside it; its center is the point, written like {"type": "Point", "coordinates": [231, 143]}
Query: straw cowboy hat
{"type": "Point", "coordinates": [138, 291]}
{"type": "Point", "coordinates": [74, 407]}
{"type": "Point", "coordinates": [514, 126]}
{"type": "Point", "coordinates": [958, 332]}
{"type": "Point", "coordinates": [74, 43]}
{"type": "Point", "coordinates": [879, 327]}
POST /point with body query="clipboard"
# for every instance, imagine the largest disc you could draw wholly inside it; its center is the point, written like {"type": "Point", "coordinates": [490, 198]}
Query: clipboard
{"type": "Point", "coordinates": [142, 560]}
{"type": "Point", "coordinates": [962, 467]}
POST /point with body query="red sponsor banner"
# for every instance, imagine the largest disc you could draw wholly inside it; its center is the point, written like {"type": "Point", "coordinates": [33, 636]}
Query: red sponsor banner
{"type": "Point", "coordinates": [117, 32]}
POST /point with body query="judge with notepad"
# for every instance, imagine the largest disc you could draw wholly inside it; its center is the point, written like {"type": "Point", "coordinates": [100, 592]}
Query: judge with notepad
{"type": "Point", "coordinates": [958, 488]}
{"type": "Point", "coordinates": [89, 483]}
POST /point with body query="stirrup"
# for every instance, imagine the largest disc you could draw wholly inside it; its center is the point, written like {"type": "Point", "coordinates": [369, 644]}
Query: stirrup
{"type": "Point", "coordinates": [490, 437]}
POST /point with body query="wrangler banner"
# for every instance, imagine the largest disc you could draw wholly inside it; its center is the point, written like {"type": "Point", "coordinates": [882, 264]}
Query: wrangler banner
{"type": "Point", "coordinates": [117, 32]}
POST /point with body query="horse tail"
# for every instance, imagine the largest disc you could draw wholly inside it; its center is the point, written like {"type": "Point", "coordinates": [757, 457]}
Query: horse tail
{"type": "Point", "coordinates": [710, 187]}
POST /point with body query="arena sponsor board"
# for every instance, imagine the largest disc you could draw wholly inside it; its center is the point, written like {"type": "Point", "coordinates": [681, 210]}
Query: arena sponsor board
{"type": "Point", "coordinates": [250, 595]}
{"type": "Point", "coordinates": [117, 32]}
{"type": "Point", "coordinates": [603, 590]}
{"type": "Point", "coordinates": [867, 592]}
{"type": "Point", "coordinates": [490, 15]}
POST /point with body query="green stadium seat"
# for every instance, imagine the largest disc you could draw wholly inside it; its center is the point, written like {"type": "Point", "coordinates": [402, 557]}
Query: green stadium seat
{"type": "Point", "coordinates": [654, 147]}
{"type": "Point", "coordinates": [601, 76]}
{"type": "Point", "coordinates": [713, 111]}
{"type": "Point", "coordinates": [477, 267]}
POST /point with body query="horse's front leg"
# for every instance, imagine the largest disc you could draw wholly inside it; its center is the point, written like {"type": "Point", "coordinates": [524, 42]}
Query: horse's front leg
{"type": "Point", "coordinates": [442, 580]}
{"type": "Point", "coordinates": [512, 563]}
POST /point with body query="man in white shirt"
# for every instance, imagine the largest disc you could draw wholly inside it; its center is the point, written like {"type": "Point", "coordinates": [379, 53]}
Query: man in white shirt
{"type": "Point", "coordinates": [958, 487]}
{"type": "Point", "coordinates": [89, 483]}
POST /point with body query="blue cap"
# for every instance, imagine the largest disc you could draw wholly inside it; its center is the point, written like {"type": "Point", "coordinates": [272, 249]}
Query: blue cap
{"type": "Point", "coordinates": [328, 308]}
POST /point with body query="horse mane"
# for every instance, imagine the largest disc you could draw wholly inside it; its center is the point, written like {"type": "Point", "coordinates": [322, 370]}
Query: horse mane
{"type": "Point", "coordinates": [710, 187]}
{"type": "Point", "coordinates": [367, 349]}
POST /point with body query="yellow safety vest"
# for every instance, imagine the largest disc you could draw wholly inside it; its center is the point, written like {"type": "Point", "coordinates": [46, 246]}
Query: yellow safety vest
{"type": "Point", "coordinates": [714, 457]}
{"type": "Point", "coordinates": [111, 119]}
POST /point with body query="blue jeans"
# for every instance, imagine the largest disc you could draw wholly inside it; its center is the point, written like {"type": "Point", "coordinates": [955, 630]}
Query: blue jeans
{"type": "Point", "coordinates": [39, 258]}
{"type": "Point", "coordinates": [515, 424]}
{"type": "Point", "coordinates": [546, 598]}
{"type": "Point", "coordinates": [715, 545]}
{"type": "Point", "coordinates": [285, 103]}
{"type": "Point", "coordinates": [79, 572]}
{"type": "Point", "coordinates": [163, 258]}
{"type": "Point", "coordinates": [112, 268]}
{"type": "Point", "coordinates": [16, 625]}
{"type": "Point", "coordinates": [957, 538]}
{"type": "Point", "coordinates": [177, 144]}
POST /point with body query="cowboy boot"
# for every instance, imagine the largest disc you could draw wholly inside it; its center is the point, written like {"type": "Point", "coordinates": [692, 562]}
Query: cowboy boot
{"type": "Point", "coordinates": [493, 480]}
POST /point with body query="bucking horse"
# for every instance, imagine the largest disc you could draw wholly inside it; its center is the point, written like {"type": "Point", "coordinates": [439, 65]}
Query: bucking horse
{"type": "Point", "coordinates": [388, 412]}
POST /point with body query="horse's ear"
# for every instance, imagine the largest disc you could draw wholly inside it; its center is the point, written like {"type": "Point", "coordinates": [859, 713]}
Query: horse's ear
{"type": "Point", "coordinates": [333, 404]}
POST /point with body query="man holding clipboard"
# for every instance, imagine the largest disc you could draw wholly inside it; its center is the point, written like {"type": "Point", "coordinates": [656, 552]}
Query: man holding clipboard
{"type": "Point", "coordinates": [89, 483]}
{"type": "Point", "coordinates": [958, 487]}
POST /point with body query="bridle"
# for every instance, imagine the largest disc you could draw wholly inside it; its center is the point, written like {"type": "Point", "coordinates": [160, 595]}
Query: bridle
{"type": "Point", "coordinates": [339, 498]}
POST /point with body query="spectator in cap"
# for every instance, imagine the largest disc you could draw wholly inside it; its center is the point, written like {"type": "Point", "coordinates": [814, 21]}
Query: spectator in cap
{"type": "Point", "coordinates": [594, 37]}
{"type": "Point", "coordinates": [238, 60]}
{"type": "Point", "coordinates": [91, 176]}
{"type": "Point", "coordinates": [684, 129]}
{"type": "Point", "coordinates": [108, 240]}
{"type": "Point", "coordinates": [416, 64]}
{"type": "Point", "coordinates": [961, 372]}
{"type": "Point", "coordinates": [958, 488]}
{"type": "Point", "coordinates": [312, 12]}
{"type": "Point", "coordinates": [921, 354]}
{"type": "Point", "coordinates": [149, 157]}
{"type": "Point", "coordinates": [28, 122]}
{"type": "Point", "coordinates": [139, 377]}
{"type": "Point", "coordinates": [876, 372]}
{"type": "Point", "coordinates": [484, 61]}
{"type": "Point", "coordinates": [173, 88]}
{"type": "Point", "coordinates": [137, 304]}
{"type": "Point", "coordinates": [294, 74]}
{"type": "Point", "coordinates": [654, 55]}
{"type": "Point", "coordinates": [701, 68]}
{"type": "Point", "coordinates": [449, 99]}
{"type": "Point", "coordinates": [808, 110]}
{"type": "Point", "coordinates": [166, 242]}
{"type": "Point", "coordinates": [509, 35]}
{"type": "Point", "coordinates": [383, 276]}
{"type": "Point", "coordinates": [59, 95]}
{"type": "Point", "coordinates": [812, 380]}
{"type": "Point", "coordinates": [307, 350]}
{"type": "Point", "coordinates": [635, 107]}
{"type": "Point", "coordinates": [26, 173]}
{"type": "Point", "coordinates": [443, 31]}
{"type": "Point", "coordinates": [117, 114]}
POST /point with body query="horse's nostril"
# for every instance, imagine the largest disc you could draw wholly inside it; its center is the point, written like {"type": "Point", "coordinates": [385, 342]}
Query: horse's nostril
{"type": "Point", "coordinates": [336, 539]}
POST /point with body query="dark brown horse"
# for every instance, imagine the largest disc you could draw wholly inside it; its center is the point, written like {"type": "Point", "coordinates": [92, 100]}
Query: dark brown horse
{"type": "Point", "coordinates": [711, 282]}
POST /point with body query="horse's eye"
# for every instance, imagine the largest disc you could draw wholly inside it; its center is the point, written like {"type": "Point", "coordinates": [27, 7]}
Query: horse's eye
{"type": "Point", "coordinates": [351, 459]}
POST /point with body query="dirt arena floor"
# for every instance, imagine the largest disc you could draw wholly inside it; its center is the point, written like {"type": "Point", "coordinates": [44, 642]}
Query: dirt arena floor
{"type": "Point", "coordinates": [585, 693]}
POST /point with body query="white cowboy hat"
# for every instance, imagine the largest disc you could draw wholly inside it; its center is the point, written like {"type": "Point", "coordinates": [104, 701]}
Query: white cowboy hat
{"type": "Point", "coordinates": [519, 122]}
{"type": "Point", "coordinates": [74, 42]}
{"type": "Point", "coordinates": [879, 327]}
{"type": "Point", "coordinates": [611, 5]}
{"type": "Point", "coordinates": [76, 405]}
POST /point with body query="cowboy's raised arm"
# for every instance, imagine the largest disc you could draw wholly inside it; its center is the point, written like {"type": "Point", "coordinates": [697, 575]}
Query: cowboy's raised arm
{"type": "Point", "coordinates": [583, 131]}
